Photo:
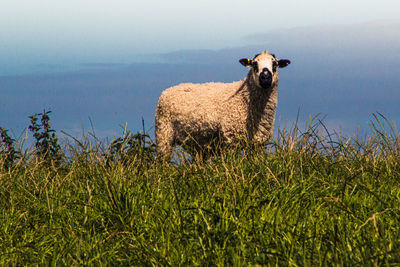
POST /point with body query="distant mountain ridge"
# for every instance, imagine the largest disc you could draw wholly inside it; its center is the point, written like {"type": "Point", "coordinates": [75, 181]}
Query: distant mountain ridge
{"type": "Point", "coordinates": [371, 38]}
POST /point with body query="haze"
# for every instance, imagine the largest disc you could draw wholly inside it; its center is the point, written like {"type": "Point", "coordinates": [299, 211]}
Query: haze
{"type": "Point", "coordinates": [76, 31]}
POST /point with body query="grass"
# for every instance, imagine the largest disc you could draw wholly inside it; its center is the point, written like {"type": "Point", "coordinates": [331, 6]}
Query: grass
{"type": "Point", "coordinates": [309, 198]}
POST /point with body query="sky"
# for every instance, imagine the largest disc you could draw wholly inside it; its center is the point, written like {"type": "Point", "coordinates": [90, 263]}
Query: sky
{"type": "Point", "coordinates": [87, 31]}
{"type": "Point", "coordinates": [52, 54]}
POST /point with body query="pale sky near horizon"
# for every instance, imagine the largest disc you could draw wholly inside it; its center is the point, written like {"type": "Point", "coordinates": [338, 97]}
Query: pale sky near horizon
{"type": "Point", "coordinates": [98, 30]}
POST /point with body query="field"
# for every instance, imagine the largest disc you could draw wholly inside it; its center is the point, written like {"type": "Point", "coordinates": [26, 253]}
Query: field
{"type": "Point", "coordinates": [309, 198]}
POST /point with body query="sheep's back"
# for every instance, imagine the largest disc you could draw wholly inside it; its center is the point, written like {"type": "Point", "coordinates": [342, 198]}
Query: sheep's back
{"type": "Point", "coordinates": [204, 99]}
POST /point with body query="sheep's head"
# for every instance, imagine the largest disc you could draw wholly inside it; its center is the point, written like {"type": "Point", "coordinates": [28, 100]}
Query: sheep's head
{"type": "Point", "coordinates": [264, 68]}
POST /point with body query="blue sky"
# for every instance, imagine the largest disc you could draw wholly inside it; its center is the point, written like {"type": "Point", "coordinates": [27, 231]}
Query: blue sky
{"type": "Point", "coordinates": [76, 31]}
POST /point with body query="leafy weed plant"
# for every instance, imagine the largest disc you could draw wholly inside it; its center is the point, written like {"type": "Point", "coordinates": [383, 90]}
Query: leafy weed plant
{"type": "Point", "coordinates": [46, 141]}
{"type": "Point", "coordinates": [8, 153]}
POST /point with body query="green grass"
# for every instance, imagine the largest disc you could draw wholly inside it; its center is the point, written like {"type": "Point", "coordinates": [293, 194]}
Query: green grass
{"type": "Point", "coordinates": [310, 198]}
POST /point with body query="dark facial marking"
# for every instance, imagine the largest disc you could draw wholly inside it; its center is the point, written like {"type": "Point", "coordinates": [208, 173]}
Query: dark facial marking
{"type": "Point", "coordinates": [274, 66]}
{"type": "Point", "coordinates": [255, 66]}
{"type": "Point", "coordinates": [265, 78]}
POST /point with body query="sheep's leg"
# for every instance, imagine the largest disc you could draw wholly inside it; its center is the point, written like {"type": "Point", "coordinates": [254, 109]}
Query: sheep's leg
{"type": "Point", "coordinates": [164, 138]}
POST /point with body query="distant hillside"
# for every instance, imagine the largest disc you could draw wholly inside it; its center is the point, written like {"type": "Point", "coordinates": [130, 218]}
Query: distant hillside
{"type": "Point", "coordinates": [374, 39]}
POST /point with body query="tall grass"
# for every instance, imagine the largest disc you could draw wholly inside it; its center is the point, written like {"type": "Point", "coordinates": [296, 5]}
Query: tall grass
{"type": "Point", "coordinates": [310, 198]}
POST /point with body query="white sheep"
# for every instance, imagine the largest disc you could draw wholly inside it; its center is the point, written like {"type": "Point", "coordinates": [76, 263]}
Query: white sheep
{"type": "Point", "coordinates": [198, 116]}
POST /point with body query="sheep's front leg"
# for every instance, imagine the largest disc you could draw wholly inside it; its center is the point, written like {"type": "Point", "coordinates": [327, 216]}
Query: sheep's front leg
{"type": "Point", "coordinates": [164, 138]}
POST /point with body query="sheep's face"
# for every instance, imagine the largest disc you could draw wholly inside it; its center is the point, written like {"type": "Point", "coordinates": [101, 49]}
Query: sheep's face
{"type": "Point", "coordinates": [265, 68]}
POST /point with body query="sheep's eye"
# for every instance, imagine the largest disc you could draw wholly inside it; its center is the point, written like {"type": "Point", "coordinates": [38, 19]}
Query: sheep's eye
{"type": "Point", "coordinates": [255, 66]}
{"type": "Point", "coordinates": [274, 66]}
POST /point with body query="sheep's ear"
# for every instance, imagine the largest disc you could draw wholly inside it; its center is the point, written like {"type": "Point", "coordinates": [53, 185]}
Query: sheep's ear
{"type": "Point", "coordinates": [246, 62]}
{"type": "Point", "coordinates": [283, 63]}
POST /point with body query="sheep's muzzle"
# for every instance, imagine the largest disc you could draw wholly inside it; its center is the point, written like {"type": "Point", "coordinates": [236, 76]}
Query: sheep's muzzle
{"type": "Point", "coordinates": [265, 79]}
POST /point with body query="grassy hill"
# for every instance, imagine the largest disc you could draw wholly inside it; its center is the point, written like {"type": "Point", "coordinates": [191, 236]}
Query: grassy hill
{"type": "Point", "coordinates": [309, 198]}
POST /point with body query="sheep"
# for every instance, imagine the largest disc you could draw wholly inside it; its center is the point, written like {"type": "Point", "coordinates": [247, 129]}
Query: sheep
{"type": "Point", "coordinates": [198, 116]}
